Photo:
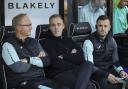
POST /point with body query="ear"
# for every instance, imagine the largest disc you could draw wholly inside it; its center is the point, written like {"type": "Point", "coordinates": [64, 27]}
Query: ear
{"type": "Point", "coordinates": [63, 25]}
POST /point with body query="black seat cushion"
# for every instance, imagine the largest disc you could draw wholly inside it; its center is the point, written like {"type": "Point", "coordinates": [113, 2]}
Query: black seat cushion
{"type": "Point", "coordinates": [79, 32]}
{"type": "Point", "coordinates": [42, 31]}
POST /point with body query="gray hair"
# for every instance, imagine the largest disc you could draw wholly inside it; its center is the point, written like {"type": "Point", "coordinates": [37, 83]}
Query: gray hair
{"type": "Point", "coordinates": [16, 20]}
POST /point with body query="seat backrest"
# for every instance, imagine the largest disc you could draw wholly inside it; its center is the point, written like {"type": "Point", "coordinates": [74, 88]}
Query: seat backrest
{"type": "Point", "coordinates": [79, 32]}
{"type": "Point", "coordinates": [1, 33]}
{"type": "Point", "coordinates": [3, 82]}
{"type": "Point", "coordinates": [5, 32]}
{"type": "Point", "coordinates": [41, 31]}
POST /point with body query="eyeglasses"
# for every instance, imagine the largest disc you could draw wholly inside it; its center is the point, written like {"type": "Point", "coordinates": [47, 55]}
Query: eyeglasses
{"type": "Point", "coordinates": [26, 25]}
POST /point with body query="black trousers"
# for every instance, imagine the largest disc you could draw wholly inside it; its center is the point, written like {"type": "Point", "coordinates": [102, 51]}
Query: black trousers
{"type": "Point", "coordinates": [103, 83]}
{"type": "Point", "coordinates": [78, 78]}
{"type": "Point", "coordinates": [34, 84]}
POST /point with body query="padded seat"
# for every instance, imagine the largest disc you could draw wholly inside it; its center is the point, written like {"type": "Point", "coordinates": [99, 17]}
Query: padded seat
{"type": "Point", "coordinates": [79, 32]}
{"type": "Point", "coordinates": [41, 31]}
{"type": "Point", "coordinates": [5, 32]}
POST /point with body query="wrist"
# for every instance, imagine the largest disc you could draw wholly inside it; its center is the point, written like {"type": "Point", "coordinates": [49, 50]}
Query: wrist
{"type": "Point", "coordinates": [120, 72]}
{"type": "Point", "coordinates": [28, 59]}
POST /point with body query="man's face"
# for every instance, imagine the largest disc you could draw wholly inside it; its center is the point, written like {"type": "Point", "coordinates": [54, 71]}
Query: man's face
{"type": "Point", "coordinates": [56, 26]}
{"type": "Point", "coordinates": [24, 27]}
{"type": "Point", "coordinates": [103, 27]}
{"type": "Point", "coordinates": [123, 3]}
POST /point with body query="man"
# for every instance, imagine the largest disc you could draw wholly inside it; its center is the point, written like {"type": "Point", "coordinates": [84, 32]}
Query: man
{"type": "Point", "coordinates": [90, 12]}
{"type": "Point", "coordinates": [67, 60]}
{"type": "Point", "coordinates": [25, 58]}
{"type": "Point", "coordinates": [120, 16]}
{"type": "Point", "coordinates": [101, 49]}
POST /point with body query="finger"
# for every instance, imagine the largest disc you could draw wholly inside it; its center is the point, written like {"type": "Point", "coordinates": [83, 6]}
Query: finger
{"type": "Point", "coordinates": [124, 75]}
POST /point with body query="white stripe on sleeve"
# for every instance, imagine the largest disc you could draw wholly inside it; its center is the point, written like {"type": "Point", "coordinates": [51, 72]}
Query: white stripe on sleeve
{"type": "Point", "coordinates": [88, 50]}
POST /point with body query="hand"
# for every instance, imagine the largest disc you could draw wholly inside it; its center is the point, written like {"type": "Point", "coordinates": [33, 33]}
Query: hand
{"type": "Point", "coordinates": [73, 51]}
{"type": "Point", "coordinates": [41, 54]}
{"type": "Point", "coordinates": [60, 56]}
{"type": "Point", "coordinates": [24, 60]}
{"type": "Point", "coordinates": [123, 74]}
{"type": "Point", "coordinates": [112, 79]}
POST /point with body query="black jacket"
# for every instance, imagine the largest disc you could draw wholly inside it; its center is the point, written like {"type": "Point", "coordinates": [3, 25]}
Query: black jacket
{"type": "Point", "coordinates": [62, 46]}
{"type": "Point", "coordinates": [105, 53]}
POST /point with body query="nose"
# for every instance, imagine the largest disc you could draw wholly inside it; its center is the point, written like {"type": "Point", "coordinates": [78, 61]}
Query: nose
{"type": "Point", "coordinates": [56, 26]}
{"type": "Point", "coordinates": [102, 28]}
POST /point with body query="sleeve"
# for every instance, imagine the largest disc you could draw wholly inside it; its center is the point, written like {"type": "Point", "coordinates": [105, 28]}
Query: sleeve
{"type": "Point", "coordinates": [36, 61]}
{"type": "Point", "coordinates": [40, 62]}
{"type": "Point", "coordinates": [88, 50]}
{"type": "Point", "coordinates": [115, 58]}
{"type": "Point", "coordinates": [73, 57]}
{"type": "Point", "coordinates": [12, 60]}
{"type": "Point", "coordinates": [55, 61]}
{"type": "Point", "coordinates": [88, 54]}
{"type": "Point", "coordinates": [46, 60]}
{"type": "Point", "coordinates": [58, 62]}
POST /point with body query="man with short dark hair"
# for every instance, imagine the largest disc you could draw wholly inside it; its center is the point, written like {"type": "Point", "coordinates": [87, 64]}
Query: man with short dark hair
{"type": "Point", "coordinates": [101, 49]}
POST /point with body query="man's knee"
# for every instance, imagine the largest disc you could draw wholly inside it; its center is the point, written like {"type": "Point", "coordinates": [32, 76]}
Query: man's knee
{"type": "Point", "coordinates": [87, 65]}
